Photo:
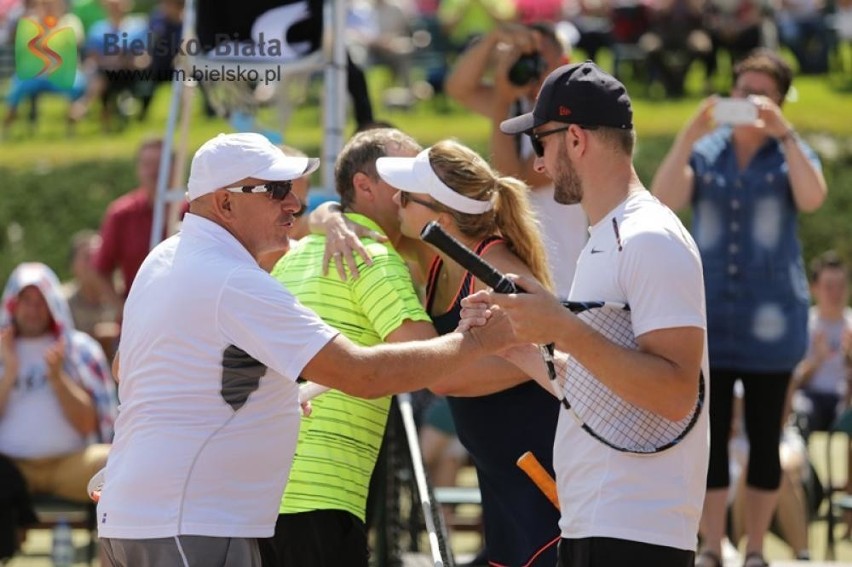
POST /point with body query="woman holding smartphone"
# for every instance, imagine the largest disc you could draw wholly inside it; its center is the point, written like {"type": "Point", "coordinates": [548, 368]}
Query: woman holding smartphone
{"type": "Point", "coordinates": [747, 175]}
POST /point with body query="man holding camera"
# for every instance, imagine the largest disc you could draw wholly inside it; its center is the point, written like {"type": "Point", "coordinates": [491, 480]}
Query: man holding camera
{"type": "Point", "coordinates": [521, 56]}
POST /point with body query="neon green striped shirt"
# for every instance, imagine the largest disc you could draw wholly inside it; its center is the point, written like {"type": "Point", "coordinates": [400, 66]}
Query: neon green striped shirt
{"type": "Point", "coordinates": [339, 443]}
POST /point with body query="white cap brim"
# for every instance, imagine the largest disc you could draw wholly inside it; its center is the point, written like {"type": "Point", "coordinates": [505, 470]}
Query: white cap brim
{"type": "Point", "coordinates": [415, 175]}
{"type": "Point", "coordinates": [287, 168]}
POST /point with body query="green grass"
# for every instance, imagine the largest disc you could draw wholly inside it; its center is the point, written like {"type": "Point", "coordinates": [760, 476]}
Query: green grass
{"type": "Point", "coordinates": [54, 184]}
{"type": "Point", "coordinates": [821, 107]}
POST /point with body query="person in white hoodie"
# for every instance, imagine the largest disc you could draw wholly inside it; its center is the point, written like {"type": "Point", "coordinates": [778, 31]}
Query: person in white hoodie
{"type": "Point", "coordinates": [57, 395]}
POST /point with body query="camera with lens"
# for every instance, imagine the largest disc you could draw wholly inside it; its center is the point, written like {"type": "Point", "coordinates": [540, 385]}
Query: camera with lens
{"type": "Point", "coordinates": [526, 69]}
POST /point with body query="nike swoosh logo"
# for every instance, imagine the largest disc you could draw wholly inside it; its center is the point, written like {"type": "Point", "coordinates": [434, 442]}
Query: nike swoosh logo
{"type": "Point", "coordinates": [596, 251]}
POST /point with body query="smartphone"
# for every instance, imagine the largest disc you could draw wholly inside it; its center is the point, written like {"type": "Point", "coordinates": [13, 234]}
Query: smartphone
{"type": "Point", "coordinates": [734, 111]}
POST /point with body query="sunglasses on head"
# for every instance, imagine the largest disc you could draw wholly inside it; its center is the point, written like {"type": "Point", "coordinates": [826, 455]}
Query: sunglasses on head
{"type": "Point", "coordinates": [275, 190]}
{"type": "Point", "coordinates": [535, 137]}
{"type": "Point", "coordinates": [406, 197]}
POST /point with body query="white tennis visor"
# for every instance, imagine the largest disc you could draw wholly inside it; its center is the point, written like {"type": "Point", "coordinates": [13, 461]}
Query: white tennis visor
{"type": "Point", "coordinates": [415, 175]}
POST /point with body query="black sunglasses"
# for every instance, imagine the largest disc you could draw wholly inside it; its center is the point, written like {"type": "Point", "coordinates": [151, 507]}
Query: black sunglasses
{"type": "Point", "coordinates": [275, 190]}
{"type": "Point", "coordinates": [535, 137]}
{"type": "Point", "coordinates": [405, 198]}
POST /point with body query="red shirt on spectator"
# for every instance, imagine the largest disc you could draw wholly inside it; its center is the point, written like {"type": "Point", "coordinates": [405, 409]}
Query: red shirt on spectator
{"type": "Point", "coordinates": [126, 235]}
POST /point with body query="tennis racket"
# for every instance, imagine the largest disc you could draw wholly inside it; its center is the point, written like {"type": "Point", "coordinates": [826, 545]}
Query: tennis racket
{"type": "Point", "coordinates": [539, 475]}
{"type": "Point", "coordinates": [604, 415]}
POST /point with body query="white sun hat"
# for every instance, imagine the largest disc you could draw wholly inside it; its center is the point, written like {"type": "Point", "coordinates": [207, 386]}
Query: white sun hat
{"type": "Point", "coordinates": [415, 175]}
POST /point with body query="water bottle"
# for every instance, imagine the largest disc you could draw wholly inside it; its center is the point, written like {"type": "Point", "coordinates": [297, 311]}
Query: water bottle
{"type": "Point", "coordinates": [63, 545]}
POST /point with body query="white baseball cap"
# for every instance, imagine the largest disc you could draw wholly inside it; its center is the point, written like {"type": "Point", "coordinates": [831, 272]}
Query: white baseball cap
{"type": "Point", "coordinates": [416, 175]}
{"type": "Point", "coordinates": [228, 158]}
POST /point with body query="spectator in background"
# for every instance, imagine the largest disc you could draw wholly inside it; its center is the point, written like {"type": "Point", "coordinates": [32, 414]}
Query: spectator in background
{"type": "Point", "coordinates": [747, 183]}
{"type": "Point", "coordinates": [735, 26]}
{"type": "Point", "coordinates": [532, 11]}
{"type": "Point", "coordinates": [46, 12]}
{"type": "Point", "coordinates": [100, 59]}
{"type": "Point", "coordinates": [481, 82]}
{"type": "Point", "coordinates": [798, 494]}
{"type": "Point", "coordinates": [10, 11]}
{"type": "Point", "coordinates": [92, 312]}
{"type": "Point", "coordinates": [802, 27]}
{"type": "Point", "coordinates": [465, 20]}
{"type": "Point", "coordinates": [57, 395]}
{"type": "Point", "coordinates": [674, 40]}
{"type": "Point", "coordinates": [383, 28]}
{"type": "Point", "coordinates": [126, 226]}
{"type": "Point", "coordinates": [165, 27]}
{"type": "Point", "coordinates": [823, 376]}
{"type": "Point", "coordinates": [592, 20]}
{"type": "Point", "coordinates": [89, 12]}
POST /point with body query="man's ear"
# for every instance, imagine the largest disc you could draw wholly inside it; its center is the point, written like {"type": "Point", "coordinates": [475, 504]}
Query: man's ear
{"type": "Point", "coordinates": [222, 203]}
{"type": "Point", "coordinates": [578, 139]}
{"type": "Point", "coordinates": [363, 185]}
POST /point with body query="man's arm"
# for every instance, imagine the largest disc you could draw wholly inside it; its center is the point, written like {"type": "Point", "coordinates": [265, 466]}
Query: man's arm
{"type": "Point", "coordinates": [661, 376]}
{"type": "Point", "coordinates": [372, 372]}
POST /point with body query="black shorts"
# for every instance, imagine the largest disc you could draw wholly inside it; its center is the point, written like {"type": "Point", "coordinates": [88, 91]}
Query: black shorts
{"type": "Point", "coordinates": [607, 552]}
{"type": "Point", "coordinates": [321, 538]}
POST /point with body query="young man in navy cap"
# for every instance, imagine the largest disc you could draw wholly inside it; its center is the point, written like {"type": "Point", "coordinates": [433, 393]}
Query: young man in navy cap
{"type": "Point", "coordinates": [617, 508]}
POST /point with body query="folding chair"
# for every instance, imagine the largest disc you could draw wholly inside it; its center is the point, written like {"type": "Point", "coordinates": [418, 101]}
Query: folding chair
{"type": "Point", "coordinates": [843, 502]}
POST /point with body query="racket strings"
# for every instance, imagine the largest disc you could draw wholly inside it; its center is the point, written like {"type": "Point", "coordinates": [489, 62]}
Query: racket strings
{"type": "Point", "coordinates": [603, 413]}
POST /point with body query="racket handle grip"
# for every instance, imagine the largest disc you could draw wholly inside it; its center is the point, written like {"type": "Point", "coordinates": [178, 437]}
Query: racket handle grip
{"type": "Point", "coordinates": [488, 274]}
{"type": "Point", "coordinates": [542, 479]}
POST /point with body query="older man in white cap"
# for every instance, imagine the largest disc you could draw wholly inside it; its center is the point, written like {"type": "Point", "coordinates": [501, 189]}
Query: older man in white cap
{"type": "Point", "coordinates": [210, 352]}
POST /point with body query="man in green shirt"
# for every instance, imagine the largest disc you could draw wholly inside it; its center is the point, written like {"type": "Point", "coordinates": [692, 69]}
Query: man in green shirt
{"type": "Point", "coordinates": [321, 519]}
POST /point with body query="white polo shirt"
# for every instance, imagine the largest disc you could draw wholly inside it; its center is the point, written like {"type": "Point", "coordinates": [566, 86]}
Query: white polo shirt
{"type": "Point", "coordinates": [639, 254]}
{"type": "Point", "coordinates": [211, 347]}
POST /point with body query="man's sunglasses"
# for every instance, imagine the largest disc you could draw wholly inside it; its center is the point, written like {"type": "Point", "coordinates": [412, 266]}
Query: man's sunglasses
{"type": "Point", "coordinates": [275, 190]}
{"type": "Point", "coordinates": [535, 137]}
{"type": "Point", "coordinates": [405, 197]}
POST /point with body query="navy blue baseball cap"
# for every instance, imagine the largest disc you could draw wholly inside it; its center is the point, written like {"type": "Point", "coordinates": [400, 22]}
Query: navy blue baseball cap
{"type": "Point", "coordinates": [580, 93]}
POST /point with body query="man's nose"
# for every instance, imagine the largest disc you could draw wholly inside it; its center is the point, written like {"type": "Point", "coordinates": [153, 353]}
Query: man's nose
{"type": "Point", "coordinates": [291, 203]}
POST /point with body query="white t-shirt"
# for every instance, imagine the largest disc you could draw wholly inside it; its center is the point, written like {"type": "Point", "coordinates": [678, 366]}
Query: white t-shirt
{"type": "Point", "coordinates": [830, 376]}
{"type": "Point", "coordinates": [33, 424]}
{"type": "Point", "coordinates": [651, 263]}
{"type": "Point", "coordinates": [211, 347]}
